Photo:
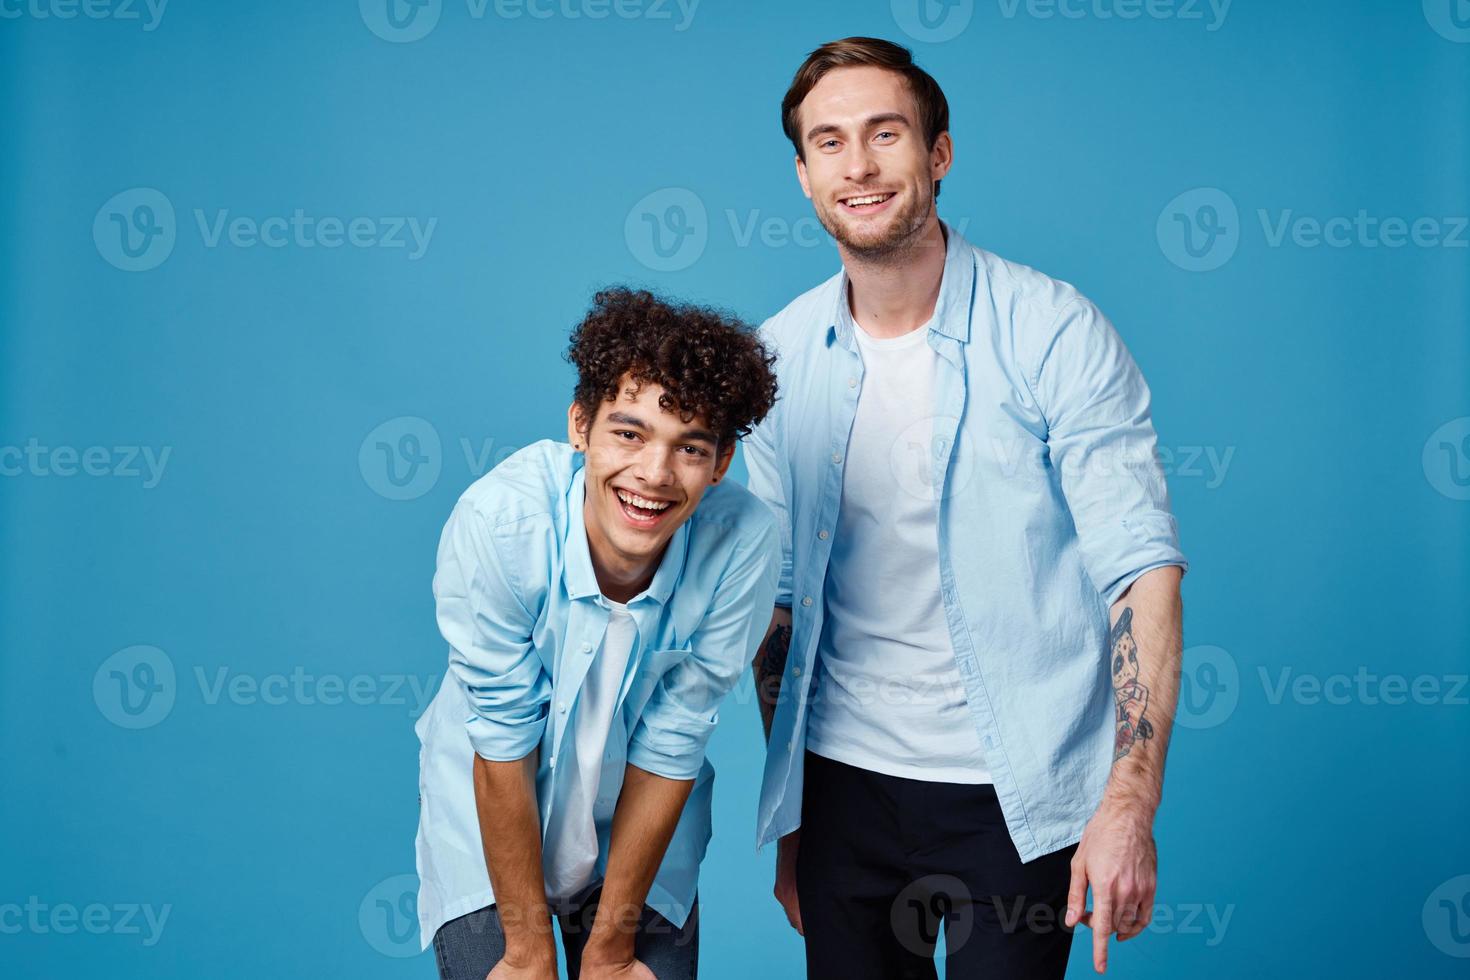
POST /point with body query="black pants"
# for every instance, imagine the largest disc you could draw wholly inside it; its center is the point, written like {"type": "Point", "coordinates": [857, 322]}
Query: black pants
{"type": "Point", "coordinates": [885, 863]}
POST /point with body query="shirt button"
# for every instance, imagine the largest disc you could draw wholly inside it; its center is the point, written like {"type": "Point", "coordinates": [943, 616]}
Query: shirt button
{"type": "Point", "coordinates": [822, 534]}
{"type": "Point", "coordinates": [796, 672]}
{"type": "Point", "coordinates": [852, 382]}
{"type": "Point", "coordinates": [562, 707]}
{"type": "Point", "coordinates": [806, 600]}
{"type": "Point", "coordinates": [836, 457]}
{"type": "Point", "coordinates": [586, 648]}
{"type": "Point", "coordinates": [789, 745]}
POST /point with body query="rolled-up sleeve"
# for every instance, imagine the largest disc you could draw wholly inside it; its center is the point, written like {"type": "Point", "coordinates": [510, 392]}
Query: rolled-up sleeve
{"type": "Point", "coordinates": [765, 469]}
{"type": "Point", "coordinates": [1101, 440]}
{"type": "Point", "coordinates": [489, 633]}
{"type": "Point", "coordinates": [674, 728]}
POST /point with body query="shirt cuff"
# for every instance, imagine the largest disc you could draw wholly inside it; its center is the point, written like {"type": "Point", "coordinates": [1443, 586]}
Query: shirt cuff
{"type": "Point", "coordinates": [677, 755]}
{"type": "Point", "coordinates": [500, 741]}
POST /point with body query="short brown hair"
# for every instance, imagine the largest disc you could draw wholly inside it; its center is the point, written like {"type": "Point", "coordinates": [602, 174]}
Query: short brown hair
{"type": "Point", "coordinates": [851, 52]}
{"type": "Point", "coordinates": [710, 364]}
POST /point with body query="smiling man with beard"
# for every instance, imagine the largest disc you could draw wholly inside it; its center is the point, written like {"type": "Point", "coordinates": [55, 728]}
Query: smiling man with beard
{"type": "Point", "coordinates": [972, 515]}
{"type": "Point", "coordinates": [599, 597]}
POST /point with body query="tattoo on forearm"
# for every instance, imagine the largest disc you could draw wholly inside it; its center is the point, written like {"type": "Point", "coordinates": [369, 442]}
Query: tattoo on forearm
{"type": "Point", "coordinates": [772, 669]}
{"type": "Point", "coordinates": [1129, 696]}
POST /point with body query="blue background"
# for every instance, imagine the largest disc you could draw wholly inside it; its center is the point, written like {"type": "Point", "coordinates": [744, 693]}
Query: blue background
{"type": "Point", "coordinates": [276, 835]}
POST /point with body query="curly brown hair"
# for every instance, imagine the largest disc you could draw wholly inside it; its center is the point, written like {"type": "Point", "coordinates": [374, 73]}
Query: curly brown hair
{"type": "Point", "coordinates": [709, 363]}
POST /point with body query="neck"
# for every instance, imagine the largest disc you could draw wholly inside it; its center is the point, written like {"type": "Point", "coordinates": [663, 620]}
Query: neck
{"type": "Point", "coordinates": [618, 578]}
{"type": "Point", "coordinates": [896, 293]}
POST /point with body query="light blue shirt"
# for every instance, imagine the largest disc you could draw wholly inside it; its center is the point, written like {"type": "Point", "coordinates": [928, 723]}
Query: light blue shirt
{"type": "Point", "coordinates": [519, 604]}
{"type": "Point", "coordinates": [1052, 503]}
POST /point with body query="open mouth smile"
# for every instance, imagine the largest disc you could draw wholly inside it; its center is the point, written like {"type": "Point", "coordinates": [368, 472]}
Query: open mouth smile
{"type": "Point", "coordinates": [642, 512]}
{"type": "Point", "coordinates": [866, 203]}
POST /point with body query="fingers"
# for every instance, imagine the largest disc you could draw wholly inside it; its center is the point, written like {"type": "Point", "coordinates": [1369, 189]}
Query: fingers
{"type": "Point", "coordinates": [1126, 922]}
{"type": "Point", "coordinates": [1102, 928]}
{"type": "Point", "coordinates": [1077, 893]}
{"type": "Point", "coordinates": [1144, 917]}
{"type": "Point", "coordinates": [792, 907]}
{"type": "Point", "coordinates": [790, 904]}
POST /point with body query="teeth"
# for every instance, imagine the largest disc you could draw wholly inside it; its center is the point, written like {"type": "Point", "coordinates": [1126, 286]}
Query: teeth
{"type": "Point", "coordinates": [854, 202]}
{"type": "Point", "coordinates": [643, 502]}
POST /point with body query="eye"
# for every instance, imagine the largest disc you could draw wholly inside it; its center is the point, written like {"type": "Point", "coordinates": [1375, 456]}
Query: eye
{"type": "Point", "coordinates": [625, 432]}
{"type": "Point", "coordinates": [827, 144]}
{"type": "Point", "coordinates": [886, 134]}
{"type": "Point", "coordinates": [694, 451]}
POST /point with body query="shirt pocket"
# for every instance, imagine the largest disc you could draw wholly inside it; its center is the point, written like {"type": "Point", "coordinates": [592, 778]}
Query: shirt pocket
{"type": "Point", "coordinates": [651, 669]}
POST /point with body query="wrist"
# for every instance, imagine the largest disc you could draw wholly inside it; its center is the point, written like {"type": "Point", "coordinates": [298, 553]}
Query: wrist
{"type": "Point", "coordinates": [607, 949]}
{"type": "Point", "coordinates": [528, 936]}
{"type": "Point", "coordinates": [531, 954]}
{"type": "Point", "coordinates": [1130, 802]}
{"type": "Point", "coordinates": [613, 932]}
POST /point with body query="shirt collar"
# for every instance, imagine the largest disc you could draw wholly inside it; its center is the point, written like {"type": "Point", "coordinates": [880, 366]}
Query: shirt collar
{"type": "Point", "coordinates": [577, 572]}
{"type": "Point", "coordinates": [951, 311]}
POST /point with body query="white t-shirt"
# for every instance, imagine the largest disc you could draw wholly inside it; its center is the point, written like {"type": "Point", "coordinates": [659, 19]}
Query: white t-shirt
{"type": "Point", "coordinates": [889, 697]}
{"type": "Point", "coordinates": [570, 844]}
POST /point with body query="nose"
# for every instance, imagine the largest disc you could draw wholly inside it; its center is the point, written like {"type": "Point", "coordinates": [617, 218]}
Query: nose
{"type": "Point", "coordinates": [656, 466]}
{"type": "Point", "coordinates": [862, 165]}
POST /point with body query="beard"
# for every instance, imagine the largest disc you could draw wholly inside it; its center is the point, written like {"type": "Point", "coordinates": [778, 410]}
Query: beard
{"type": "Point", "coordinates": [903, 228]}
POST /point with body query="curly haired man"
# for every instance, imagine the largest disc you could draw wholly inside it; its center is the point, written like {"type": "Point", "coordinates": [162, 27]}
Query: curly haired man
{"type": "Point", "coordinates": [600, 597]}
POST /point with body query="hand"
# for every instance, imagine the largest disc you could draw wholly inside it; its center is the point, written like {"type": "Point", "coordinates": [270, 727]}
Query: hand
{"type": "Point", "coordinates": [786, 849]}
{"type": "Point", "coordinates": [1118, 859]}
{"type": "Point", "coordinates": [536, 967]}
{"type": "Point", "coordinates": [630, 969]}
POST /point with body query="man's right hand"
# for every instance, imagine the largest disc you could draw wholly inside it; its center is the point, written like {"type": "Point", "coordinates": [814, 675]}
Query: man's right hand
{"type": "Point", "coordinates": [786, 878]}
{"type": "Point", "coordinates": [535, 967]}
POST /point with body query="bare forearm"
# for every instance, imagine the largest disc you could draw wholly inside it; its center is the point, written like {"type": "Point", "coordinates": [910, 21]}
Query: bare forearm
{"type": "Point", "coordinates": [510, 829]}
{"type": "Point", "coordinates": [1145, 653]}
{"type": "Point", "coordinates": [769, 665]}
{"type": "Point", "coordinates": [643, 824]}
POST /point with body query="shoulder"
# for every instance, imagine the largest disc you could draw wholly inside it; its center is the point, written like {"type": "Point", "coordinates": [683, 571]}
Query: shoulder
{"type": "Point", "coordinates": [731, 519]}
{"type": "Point", "coordinates": [530, 483]}
{"type": "Point", "coordinates": [1024, 292]}
{"type": "Point", "coordinates": [1033, 311]}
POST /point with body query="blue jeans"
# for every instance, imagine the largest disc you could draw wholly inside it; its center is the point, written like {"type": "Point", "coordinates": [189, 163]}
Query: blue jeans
{"type": "Point", "coordinates": [468, 947]}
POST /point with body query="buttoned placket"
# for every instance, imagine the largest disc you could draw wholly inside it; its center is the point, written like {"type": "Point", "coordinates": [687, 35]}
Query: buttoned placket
{"type": "Point", "coordinates": [951, 393]}
{"type": "Point", "coordinates": [849, 373]}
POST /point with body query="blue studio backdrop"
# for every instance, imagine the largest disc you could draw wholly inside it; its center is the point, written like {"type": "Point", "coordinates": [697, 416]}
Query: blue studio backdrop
{"type": "Point", "coordinates": [280, 280]}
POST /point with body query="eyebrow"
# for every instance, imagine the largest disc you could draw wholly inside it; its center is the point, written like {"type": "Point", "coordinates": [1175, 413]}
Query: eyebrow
{"type": "Point", "coordinates": [688, 435]}
{"type": "Point", "coordinates": [869, 123]}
